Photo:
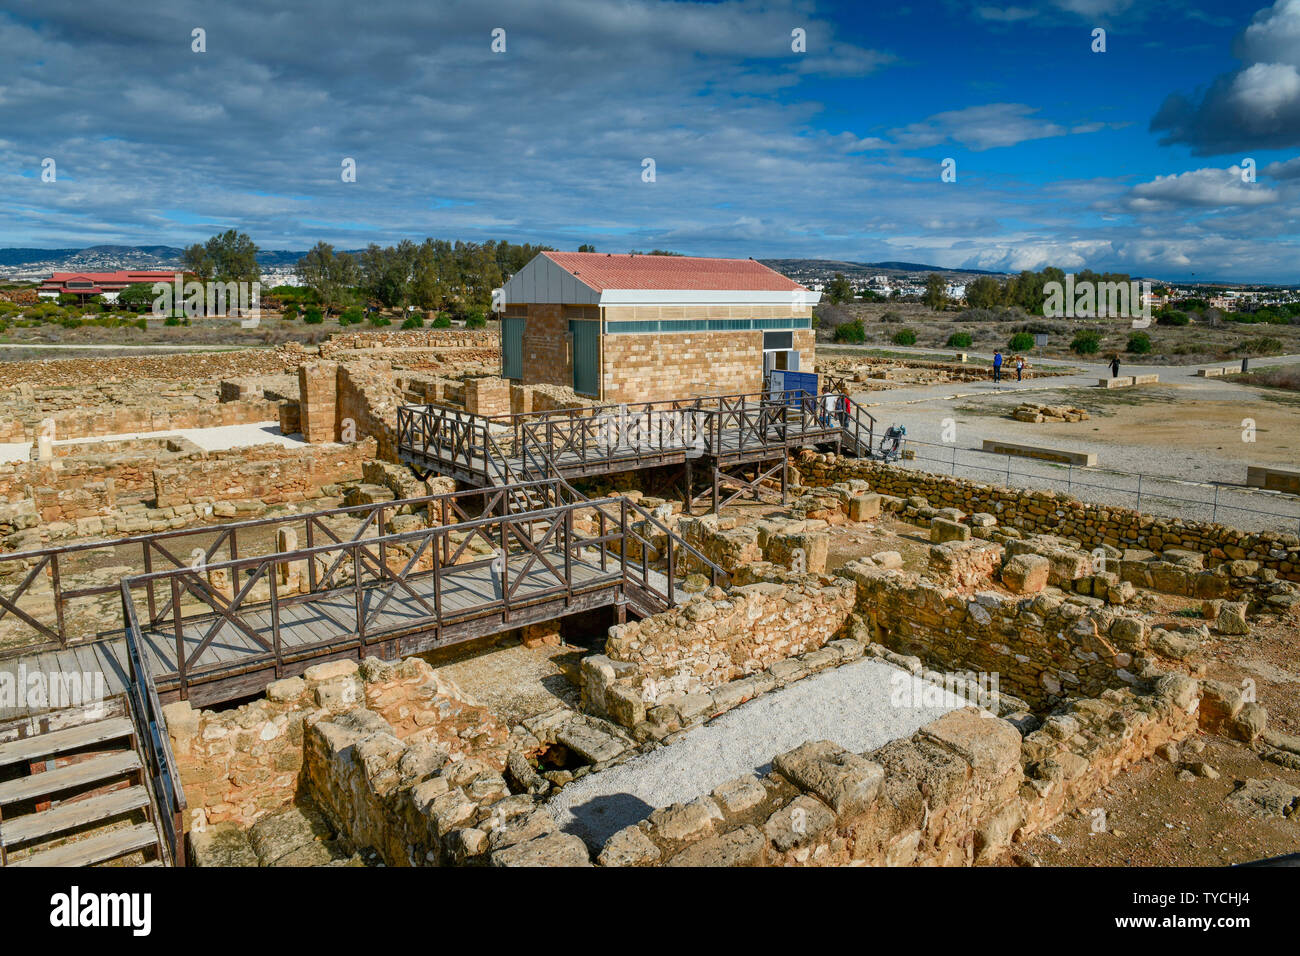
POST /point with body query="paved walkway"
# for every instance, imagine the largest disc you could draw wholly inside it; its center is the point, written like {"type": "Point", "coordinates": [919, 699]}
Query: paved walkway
{"type": "Point", "coordinates": [850, 705]}
{"type": "Point", "coordinates": [1202, 483]}
{"type": "Point", "coordinates": [218, 438]}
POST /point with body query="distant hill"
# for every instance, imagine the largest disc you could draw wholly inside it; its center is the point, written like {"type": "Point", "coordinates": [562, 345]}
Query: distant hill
{"type": "Point", "coordinates": [110, 257]}
{"type": "Point", "coordinates": [859, 268]}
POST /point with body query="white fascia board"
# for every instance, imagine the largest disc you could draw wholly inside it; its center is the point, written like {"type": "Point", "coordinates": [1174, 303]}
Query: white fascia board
{"type": "Point", "coordinates": [792, 297]}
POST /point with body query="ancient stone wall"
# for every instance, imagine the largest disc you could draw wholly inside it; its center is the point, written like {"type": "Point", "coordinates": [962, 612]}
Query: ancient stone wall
{"type": "Point", "coordinates": [244, 763]}
{"type": "Point", "coordinates": [955, 793]}
{"type": "Point", "coordinates": [1054, 513]}
{"type": "Point", "coordinates": [271, 474]}
{"type": "Point", "coordinates": [713, 639]}
{"type": "Point", "coordinates": [1043, 648]}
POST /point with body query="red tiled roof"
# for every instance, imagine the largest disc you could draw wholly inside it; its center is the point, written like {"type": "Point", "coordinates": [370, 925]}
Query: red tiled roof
{"type": "Point", "coordinates": [602, 271]}
{"type": "Point", "coordinates": [123, 278]}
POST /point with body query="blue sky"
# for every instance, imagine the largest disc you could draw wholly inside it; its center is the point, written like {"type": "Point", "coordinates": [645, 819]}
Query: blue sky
{"type": "Point", "coordinates": [1128, 159]}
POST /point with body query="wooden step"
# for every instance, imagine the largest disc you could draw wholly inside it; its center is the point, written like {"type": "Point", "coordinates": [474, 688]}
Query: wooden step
{"type": "Point", "coordinates": [69, 816]}
{"type": "Point", "coordinates": [74, 775]}
{"type": "Point", "coordinates": [62, 741]}
{"type": "Point", "coordinates": [96, 849]}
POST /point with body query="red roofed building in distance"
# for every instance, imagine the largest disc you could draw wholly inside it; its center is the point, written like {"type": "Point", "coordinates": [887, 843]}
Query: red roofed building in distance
{"type": "Point", "coordinates": [106, 284]}
{"type": "Point", "coordinates": [637, 328]}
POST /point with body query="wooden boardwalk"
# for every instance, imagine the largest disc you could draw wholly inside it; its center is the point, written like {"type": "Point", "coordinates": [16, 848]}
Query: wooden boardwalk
{"type": "Point", "coordinates": [574, 443]}
{"type": "Point", "coordinates": [323, 625]}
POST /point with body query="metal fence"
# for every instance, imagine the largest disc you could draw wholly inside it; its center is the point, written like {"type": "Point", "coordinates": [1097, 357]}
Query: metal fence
{"type": "Point", "coordinates": [1246, 508]}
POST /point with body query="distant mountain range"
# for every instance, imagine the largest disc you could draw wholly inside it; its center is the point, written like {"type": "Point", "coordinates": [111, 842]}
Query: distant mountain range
{"type": "Point", "coordinates": [851, 269]}
{"type": "Point", "coordinates": [122, 257]}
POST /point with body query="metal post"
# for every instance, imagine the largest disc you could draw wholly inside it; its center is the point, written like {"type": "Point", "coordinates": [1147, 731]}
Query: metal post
{"type": "Point", "coordinates": [1214, 516]}
{"type": "Point", "coordinates": [1138, 506]}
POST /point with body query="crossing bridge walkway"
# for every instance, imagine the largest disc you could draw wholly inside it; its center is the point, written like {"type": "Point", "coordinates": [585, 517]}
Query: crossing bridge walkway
{"type": "Point", "coordinates": [733, 435]}
{"type": "Point", "coordinates": [215, 613]}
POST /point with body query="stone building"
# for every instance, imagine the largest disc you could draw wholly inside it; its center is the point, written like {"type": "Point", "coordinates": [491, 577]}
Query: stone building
{"type": "Point", "coordinates": [635, 328]}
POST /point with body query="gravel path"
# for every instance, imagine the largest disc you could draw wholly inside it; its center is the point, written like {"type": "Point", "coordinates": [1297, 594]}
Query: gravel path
{"type": "Point", "coordinates": [217, 438]}
{"type": "Point", "coordinates": [1201, 485]}
{"type": "Point", "coordinates": [849, 705]}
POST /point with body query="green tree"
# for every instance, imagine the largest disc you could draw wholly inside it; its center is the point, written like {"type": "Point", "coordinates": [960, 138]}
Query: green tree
{"type": "Point", "coordinates": [586, 247]}
{"type": "Point", "coordinates": [985, 292]}
{"type": "Point", "coordinates": [936, 292]}
{"type": "Point", "coordinates": [329, 276]}
{"type": "Point", "coordinates": [137, 297]}
{"type": "Point", "coordinates": [840, 289]}
{"type": "Point", "coordinates": [228, 257]}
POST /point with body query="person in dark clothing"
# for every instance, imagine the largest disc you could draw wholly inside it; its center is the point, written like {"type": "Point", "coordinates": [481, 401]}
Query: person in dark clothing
{"type": "Point", "coordinates": [1114, 367]}
{"type": "Point", "coordinates": [997, 366]}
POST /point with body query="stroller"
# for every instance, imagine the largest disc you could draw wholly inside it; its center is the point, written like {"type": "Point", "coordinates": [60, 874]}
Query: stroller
{"type": "Point", "coordinates": [891, 443]}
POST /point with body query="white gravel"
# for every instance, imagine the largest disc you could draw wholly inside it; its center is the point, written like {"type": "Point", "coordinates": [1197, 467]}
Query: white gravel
{"type": "Point", "coordinates": [217, 438]}
{"type": "Point", "coordinates": [850, 705]}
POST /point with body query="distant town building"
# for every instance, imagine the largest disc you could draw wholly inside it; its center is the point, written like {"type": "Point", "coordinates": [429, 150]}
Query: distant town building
{"type": "Point", "coordinates": [105, 284]}
{"type": "Point", "coordinates": [635, 328]}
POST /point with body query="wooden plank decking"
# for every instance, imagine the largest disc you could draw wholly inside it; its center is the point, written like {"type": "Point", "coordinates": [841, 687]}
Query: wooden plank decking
{"type": "Point", "coordinates": [322, 625]}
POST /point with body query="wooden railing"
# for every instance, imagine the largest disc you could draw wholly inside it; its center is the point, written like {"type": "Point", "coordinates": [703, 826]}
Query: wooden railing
{"type": "Point", "coordinates": [201, 544]}
{"type": "Point", "coordinates": [505, 448]}
{"type": "Point", "coordinates": [155, 745]}
{"type": "Point", "coordinates": [540, 548]}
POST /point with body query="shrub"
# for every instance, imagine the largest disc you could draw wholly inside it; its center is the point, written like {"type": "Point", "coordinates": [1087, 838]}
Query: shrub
{"type": "Point", "coordinates": [1139, 343]}
{"type": "Point", "coordinates": [443, 321]}
{"type": "Point", "coordinates": [1264, 345]}
{"type": "Point", "coordinates": [475, 320]}
{"type": "Point", "coordinates": [313, 316]}
{"type": "Point", "coordinates": [142, 324]}
{"type": "Point", "coordinates": [851, 332]}
{"type": "Point", "coordinates": [905, 337]}
{"type": "Point", "coordinates": [1172, 317]}
{"type": "Point", "coordinates": [1086, 342]}
{"type": "Point", "coordinates": [1021, 342]}
{"type": "Point", "coordinates": [889, 318]}
{"type": "Point", "coordinates": [960, 340]}
{"type": "Point", "coordinates": [379, 320]}
{"type": "Point", "coordinates": [290, 313]}
{"type": "Point", "coordinates": [172, 321]}
{"type": "Point", "coordinates": [412, 322]}
{"type": "Point", "coordinates": [351, 316]}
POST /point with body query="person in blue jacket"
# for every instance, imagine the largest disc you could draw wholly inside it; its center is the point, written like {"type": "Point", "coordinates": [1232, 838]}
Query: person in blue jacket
{"type": "Point", "coordinates": [997, 366]}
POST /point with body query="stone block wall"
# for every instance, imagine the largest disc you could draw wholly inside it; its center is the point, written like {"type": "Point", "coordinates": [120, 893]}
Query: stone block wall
{"type": "Point", "coordinates": [955, 793]}
{"type": "Point", "coordinates": [269, 473]}
{"type": "Point", "coordinates": [487, 396]}
{"type": "Point", "coordinates": [1043, 648]}
{"type": "Point", "coordinates": [242, 764]}
{"type": "Point", "coordinates": [655, 367]}
{"type": "Point", "coordinates": [1055, 513]}
{"type": "Point", "coordinates": [711, 640]}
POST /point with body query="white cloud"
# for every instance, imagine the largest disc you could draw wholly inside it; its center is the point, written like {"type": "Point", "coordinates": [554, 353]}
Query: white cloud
{"type": "Point", "coordinates": [1255, 107]}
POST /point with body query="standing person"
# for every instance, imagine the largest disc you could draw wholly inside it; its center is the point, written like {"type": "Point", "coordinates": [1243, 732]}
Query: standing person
{"type": "Point", "coordinates": [997, 366]}
{"type": "Point", "coordinates": [1020, 367]}
{"type": "Point", "coordinates": [1114, 366]}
